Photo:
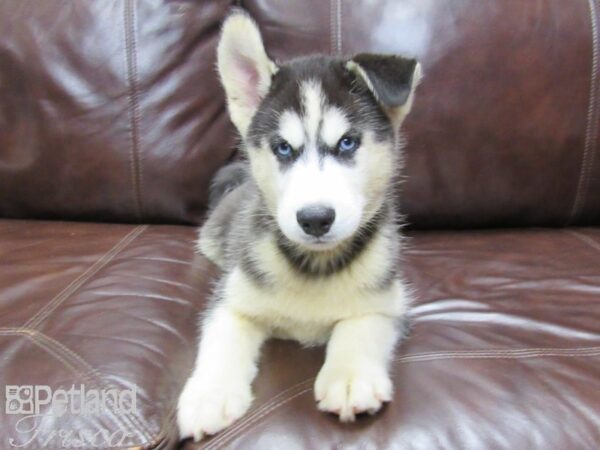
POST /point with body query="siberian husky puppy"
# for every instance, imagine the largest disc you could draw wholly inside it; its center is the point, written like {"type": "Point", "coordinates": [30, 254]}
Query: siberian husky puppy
{"type": "Point", "coordinates": [306, 232]}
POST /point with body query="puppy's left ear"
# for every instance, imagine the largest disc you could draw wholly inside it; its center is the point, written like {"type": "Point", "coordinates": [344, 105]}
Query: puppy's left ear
{"type": "Point", "coordinates": [392, 79]}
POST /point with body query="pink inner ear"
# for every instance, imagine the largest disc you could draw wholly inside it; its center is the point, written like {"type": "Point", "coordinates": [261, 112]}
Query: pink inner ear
{"type": "Point", "coordinates": [249, 78]}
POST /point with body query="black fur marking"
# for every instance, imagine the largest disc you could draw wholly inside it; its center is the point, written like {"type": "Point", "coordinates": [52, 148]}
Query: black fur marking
{"type": "Point", "coordinates": [347, 159]}
{"type": "Point", "coordinates": [341, 87]}
{"type": "Point", "coordinates": [391, 76]}
{"type": "Point", "coordinates": [405, 325]}
{"type": "Point", "coordinates": [251, 268]}
{"type": "Point", "coordinates": [302, 261]}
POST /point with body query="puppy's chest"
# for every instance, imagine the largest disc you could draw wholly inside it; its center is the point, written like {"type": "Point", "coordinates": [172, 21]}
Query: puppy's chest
{"type": "Point", "coordinates": [305, 309]}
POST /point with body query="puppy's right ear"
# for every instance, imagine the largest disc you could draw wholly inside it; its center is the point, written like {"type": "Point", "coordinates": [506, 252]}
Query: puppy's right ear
{"type": "Point", "coordinates": [244, 68]}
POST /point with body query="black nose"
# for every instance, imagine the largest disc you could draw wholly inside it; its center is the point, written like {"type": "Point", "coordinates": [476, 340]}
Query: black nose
{"type": "Point", "coordinates": [316, 220]}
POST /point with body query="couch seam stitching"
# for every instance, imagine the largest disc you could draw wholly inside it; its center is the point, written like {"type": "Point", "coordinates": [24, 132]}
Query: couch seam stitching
{"type": "Point", "coordinates": [72, 287]}
{"type": "Point", "coordinates": [263, 414]}
{"type": "Point", "coordinates": [331, 28]}
{"type": "Point", "coordinates": [507, 354]}
{"type": "Point", "coordinates": [131, 419]}
{"type": "Point", "coordinates": [162, 432]}
{"type": "Point", "coordinates": [335, 31]}
{"type": "Point", "coordinates": [50, 346]}
{"type": "Point", "coordinates": [339, 26]}
{"type": "Point", "coordinates": [44, 346]}
{"type": "Point", "coordinates": [129, 11]}
{"type": "Point", "coordinates": [585, 239]}
{"type": "Point", "coordinates": [591, 126]}
{"type": "Point", "coordinates": [90, 375]}
{"type": "Point", "coordinates": [232, 431]}
{"type": "Point", "coordinates": [468, 354]}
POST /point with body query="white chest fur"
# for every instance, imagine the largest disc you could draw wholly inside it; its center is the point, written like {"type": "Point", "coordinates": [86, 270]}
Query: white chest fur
{"type": "Point", "coordinates": [304, 308]}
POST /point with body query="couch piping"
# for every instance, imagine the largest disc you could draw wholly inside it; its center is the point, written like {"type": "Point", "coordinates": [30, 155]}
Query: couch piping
{"type": "Point", "coordinates": [63, 295]}
{"type": "Point", "coordinates": [129, 21]}
{"type": "Point", "coordinates": [592, 124]}
{"type": "Point", "coordinates": [306, 386]}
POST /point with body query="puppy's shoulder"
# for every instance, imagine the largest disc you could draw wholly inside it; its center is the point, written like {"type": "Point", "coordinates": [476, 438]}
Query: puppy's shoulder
{"type": "Point", "coordinates": [215, 235]}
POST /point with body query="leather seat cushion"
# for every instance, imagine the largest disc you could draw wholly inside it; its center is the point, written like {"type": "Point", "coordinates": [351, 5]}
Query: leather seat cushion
{"type": "Point", "coordinates": [104, 306]}
{"type": "Point", "coordinates": [504, 350]}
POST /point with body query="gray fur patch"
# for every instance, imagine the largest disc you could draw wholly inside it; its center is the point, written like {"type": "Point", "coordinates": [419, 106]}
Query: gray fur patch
{"type": "Point", "coordinates": [225, 180]}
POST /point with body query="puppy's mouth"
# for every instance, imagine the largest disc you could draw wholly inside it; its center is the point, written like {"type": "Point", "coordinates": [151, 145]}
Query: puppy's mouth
{"type": "Point", "coordinates": [327, 243]}
{"type": "Point", "coordinates": [315, 246]}
{"type": "Point", "coordinates": [322, 243]}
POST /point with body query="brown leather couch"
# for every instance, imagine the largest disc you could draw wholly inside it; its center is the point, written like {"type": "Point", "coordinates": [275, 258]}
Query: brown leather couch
{"type": "Point", "coordinates": [112, 122]}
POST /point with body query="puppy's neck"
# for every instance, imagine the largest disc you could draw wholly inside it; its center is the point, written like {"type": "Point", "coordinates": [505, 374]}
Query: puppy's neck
{"type": "Point", "coordinates": [314, 263]}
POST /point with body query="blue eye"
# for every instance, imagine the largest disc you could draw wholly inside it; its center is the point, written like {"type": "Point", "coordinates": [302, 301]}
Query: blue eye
{"type": "Point", "coordinates": [283, 150]}
{"type": "Point", "coordinates": [347, 145]}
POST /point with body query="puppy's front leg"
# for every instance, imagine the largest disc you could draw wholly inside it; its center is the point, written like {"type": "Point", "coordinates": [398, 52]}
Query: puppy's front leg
{"type": "Point", "coordinates": [354, 378]}
{"type": "Point", "coordinates": [219, 390]}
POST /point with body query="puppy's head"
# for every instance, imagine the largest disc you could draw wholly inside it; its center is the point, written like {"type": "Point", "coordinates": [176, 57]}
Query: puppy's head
{"type": "Point", "coordinates": [320, 132]}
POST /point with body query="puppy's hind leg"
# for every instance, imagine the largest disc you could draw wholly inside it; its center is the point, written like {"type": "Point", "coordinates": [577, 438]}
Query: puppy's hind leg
{"type": "Point", "coordinates": [219, 389]}
{"type": "Point", "coordinates": [354, 378]}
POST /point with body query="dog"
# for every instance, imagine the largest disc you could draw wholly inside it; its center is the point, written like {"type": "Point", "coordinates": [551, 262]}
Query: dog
{"type": "Point", "coordinates": [306, 230]}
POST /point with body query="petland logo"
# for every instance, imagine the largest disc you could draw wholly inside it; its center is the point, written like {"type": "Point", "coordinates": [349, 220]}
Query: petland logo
{"type": "Point", "coordinates": [34, 402]}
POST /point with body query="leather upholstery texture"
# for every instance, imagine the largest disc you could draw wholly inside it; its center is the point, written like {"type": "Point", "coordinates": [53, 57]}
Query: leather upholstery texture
{"type": "Point", "coordinates": [112, 122]}
{"type": "Point", "coordinates": [103, 306]}
{"type": "Point", "coordinates": [504, 348]}
{"type": "Point", "coordinates": [112, 110]}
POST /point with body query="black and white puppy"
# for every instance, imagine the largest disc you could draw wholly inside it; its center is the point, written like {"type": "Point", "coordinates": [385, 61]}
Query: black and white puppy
{"type": "Point", "coordinates": [306, 232]}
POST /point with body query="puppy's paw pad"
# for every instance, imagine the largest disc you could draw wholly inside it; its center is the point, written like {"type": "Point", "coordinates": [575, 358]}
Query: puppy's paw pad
{"type": "Point", "coordinates": [347, 392]}
{"type": "Point", "coordinates": [204, 409]}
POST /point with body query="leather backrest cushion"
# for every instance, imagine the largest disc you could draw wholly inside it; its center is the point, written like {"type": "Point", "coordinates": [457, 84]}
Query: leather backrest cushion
{"type": "Point", "coordinates": [111, 110]}
{"type": "Point", "coordinates": [504, 128]}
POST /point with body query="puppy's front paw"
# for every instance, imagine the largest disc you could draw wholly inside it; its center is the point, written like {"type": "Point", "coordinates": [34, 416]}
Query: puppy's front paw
{"type": "Point", "coordinates": [349, 391]}
{"type": "Point", "coordinates": [205, 408]}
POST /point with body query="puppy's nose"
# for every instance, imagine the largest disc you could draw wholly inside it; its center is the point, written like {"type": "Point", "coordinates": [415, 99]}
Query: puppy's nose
{"type": "Point", "coordinates": [316, 220]}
